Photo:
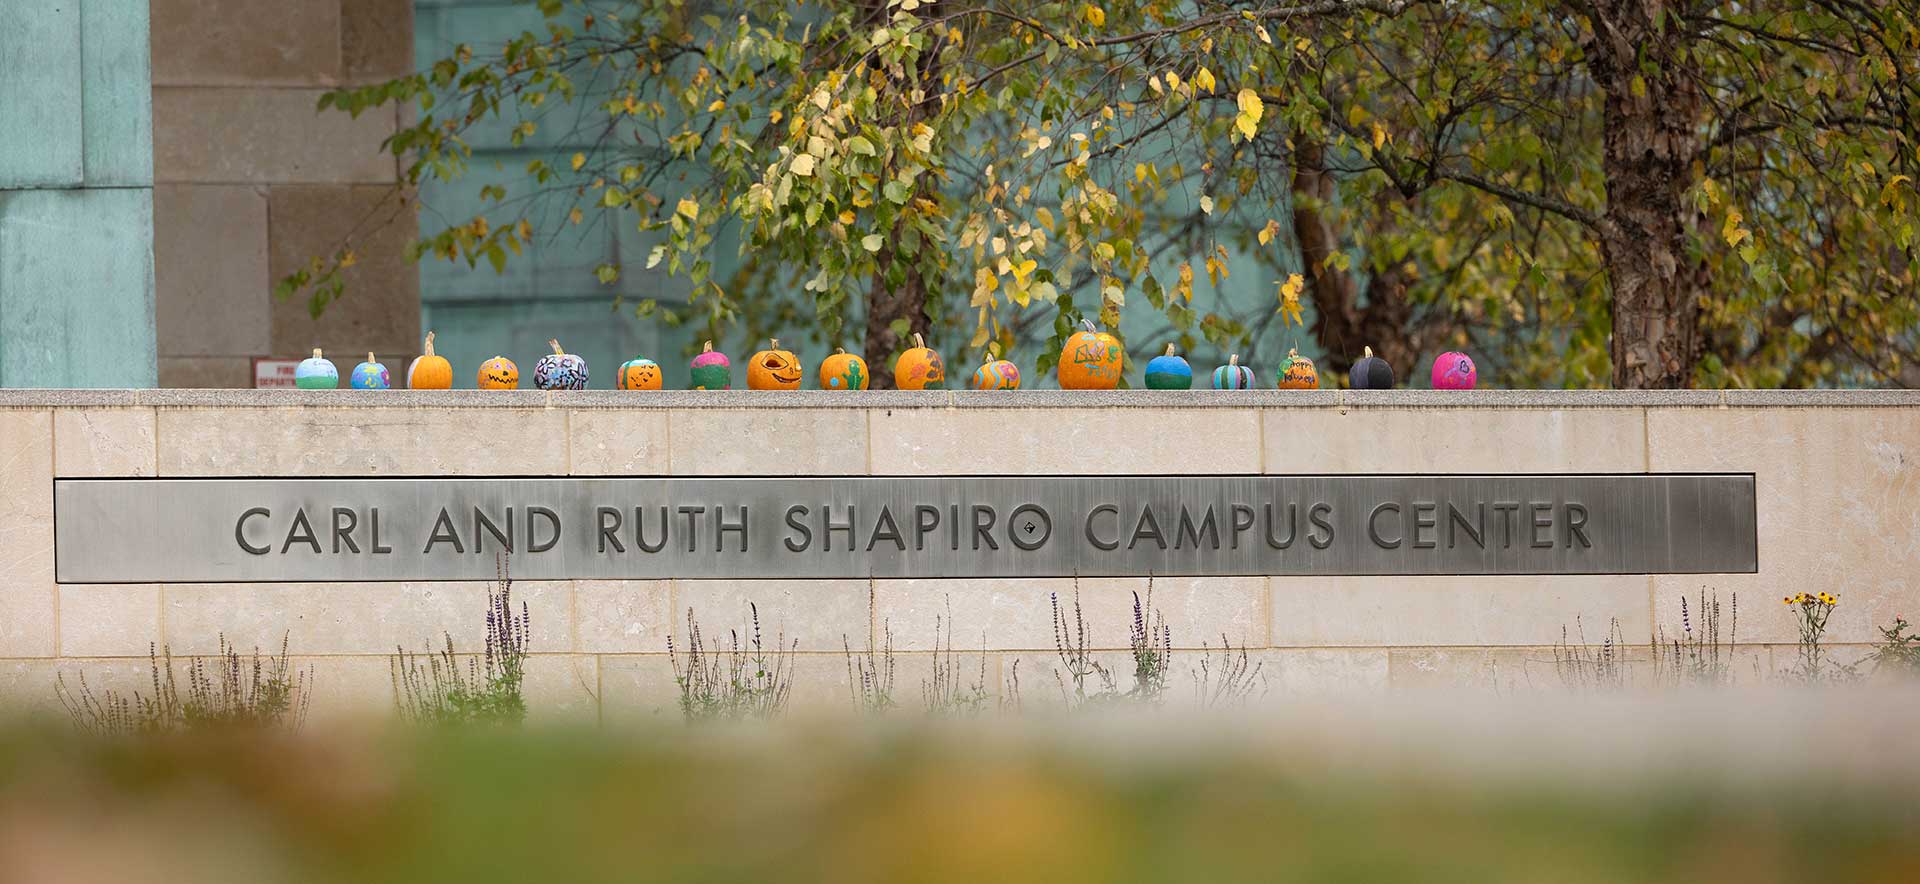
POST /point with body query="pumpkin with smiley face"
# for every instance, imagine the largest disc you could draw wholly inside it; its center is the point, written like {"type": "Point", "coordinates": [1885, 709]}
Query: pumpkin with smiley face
{"type": "Point", "coordinates": [498, 373]}
{"type": "Point", "coordinates": [639, 374]}
{"type": "Point", "coordinates": [773, 369]}
{"type": "Point", "coordinates": [919, 368]}
{"type": "Point", "coordinates": [843, 371]}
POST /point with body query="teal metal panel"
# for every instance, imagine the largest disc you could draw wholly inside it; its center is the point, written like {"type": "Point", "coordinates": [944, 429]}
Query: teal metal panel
{"type": "Point", "coordinates": [117, 93]}
{"type": "Point", "coordinates": [76, 288]}
{"type": "Point", "coordinates": [40, 129]}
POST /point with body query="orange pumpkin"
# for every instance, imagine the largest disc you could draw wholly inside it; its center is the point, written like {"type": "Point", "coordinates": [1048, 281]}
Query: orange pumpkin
{"type": "Point", "coordinates": [919, 368]}
{"type": "Point", "coordinates": [430, 372]}
{"type": "Point", "coordinates": [773, 369]}
{"type": "Point", "coordinates": [1092, 360]}
{"type": "Point", "coordinates": [1299, 373]}
{"type": "Point", "coordinates": [498, 373]}
{"type": "Point", "coordinates": [843, 371]}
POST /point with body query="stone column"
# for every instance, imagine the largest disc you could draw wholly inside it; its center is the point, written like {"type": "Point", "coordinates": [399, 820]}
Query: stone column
{"type": "Point", "coordinates": [76, 195]}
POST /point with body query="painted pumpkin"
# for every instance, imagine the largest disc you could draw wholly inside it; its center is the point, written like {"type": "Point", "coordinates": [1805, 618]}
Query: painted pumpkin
{"type": "Point", "coordinates": [429, 372]}
{"type": "Point", "coordinates": [1299, 373]}
{"type": "Point", "coordinates": [1452, 371]}
{"type": "Point", "coordinates": [711, 370]}
{"type": "Point", "coordinates": [1092, 360]}
{"type": "Point", "coordinates": [639, 374]}
{"type": "Point", "coordinates": [316, 373]}
{"type": "Point", "coordinates": [370, 375]}
{"type": "Point", "coordinates": [995, 374]}
{"type": "Point", "coordinates": [498, 373]}
{"type": "Point", "coordinates": [1169, 372]}
{"type": "Point", "coordinates": [560, 370]}
{"type": "Point", "coordinates": [843, 371]}
{"type": "Point", "coordinates": [1233, 375]}
{"type": "Point", "coordinates": [773, 369]}
{"type": "Point", "coordinates": [919, 368]}
{"type": "Point", "coordinates": [1370, 373]}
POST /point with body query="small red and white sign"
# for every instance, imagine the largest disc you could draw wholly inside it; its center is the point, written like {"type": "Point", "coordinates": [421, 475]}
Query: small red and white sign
{"type": "Point", "coordinates": [270, 372]}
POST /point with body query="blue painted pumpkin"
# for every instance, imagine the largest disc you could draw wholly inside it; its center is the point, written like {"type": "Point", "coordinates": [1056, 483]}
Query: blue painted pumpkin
{"type": "Point", "coordinates": [316, 373]}
{"type": "Point", "coordinates": [370, 375]}
{"type": "Point", "coordinates": [1169, 372]}
{"type": "Point", "coordinates": [1233, 375]}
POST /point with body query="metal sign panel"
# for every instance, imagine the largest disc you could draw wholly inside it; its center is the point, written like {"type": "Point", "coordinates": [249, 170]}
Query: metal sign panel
{"type": "Point", "coordinates": [223, 530]}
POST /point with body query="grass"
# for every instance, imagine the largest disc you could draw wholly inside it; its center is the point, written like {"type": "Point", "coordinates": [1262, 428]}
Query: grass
{"type": "Point", "coordinates": [854, 803]}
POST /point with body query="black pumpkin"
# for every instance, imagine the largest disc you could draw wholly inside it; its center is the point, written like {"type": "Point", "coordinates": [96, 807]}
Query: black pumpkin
{"type": "Point", "coordinates": [1371, 373]}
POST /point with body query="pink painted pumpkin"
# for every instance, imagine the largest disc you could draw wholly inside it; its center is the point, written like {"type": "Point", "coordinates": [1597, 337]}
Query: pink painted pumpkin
{"type": "Point", "coordinates": [1453, 371]}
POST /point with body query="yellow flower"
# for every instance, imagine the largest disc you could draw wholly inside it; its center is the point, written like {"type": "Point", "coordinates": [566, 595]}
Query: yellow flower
{"type": "Point", "coordinates": [1787, 601]}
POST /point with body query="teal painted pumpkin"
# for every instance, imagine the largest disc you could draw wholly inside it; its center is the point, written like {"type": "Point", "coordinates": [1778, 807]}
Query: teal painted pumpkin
{"type": "Point", "coordinates": [1169, 372]}
{"type": "Point", "coordinates": [1233, 375]}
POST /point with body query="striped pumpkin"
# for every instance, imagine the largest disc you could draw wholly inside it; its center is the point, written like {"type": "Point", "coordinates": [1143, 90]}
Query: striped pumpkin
{"type": "Point", "coordinates": [1233, 375]}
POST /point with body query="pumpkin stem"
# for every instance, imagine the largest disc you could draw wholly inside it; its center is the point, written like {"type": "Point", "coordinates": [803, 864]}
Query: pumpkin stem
{"type": "Point", "coordinates": [1169, 349]}
{"type": "Point", "coordinates": [429, 345]}
{"type": "Point", "coordinates": [1087, 324]}
{"type": "Point", "coordinates": [773, 343]}
{"type": "Point", "coordinates": [706, 347]}
{"type": "Point", "coordinates": [919, 342]}
{"type": "Point", "coordinates": [1293, 353]}
{"type": "Point", "coordinates": [991, 353]}
{"type": "Point", "coordinates": [839, 351]}
{"type": "Point", "coordinates": [555, 344]}
{"type": "Point", "coordinates": [1366, 352]}
{"type": "Point", "coordinates": [369, 355]}
{"type": "Point", "coordinates": [1233, 359]}
{"type": "Point", "coordinates": [316, 352]}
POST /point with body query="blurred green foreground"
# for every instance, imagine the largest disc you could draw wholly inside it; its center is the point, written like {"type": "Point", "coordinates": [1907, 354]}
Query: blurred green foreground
{"type": "Point", "coordinates": [1320, 796]}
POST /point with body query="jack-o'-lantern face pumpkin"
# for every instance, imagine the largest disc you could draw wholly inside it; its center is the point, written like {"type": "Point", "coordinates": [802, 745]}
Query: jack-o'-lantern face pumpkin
{"type": "Point", "coordinates": [1299, 373]}
{"type": "Point", "coordinates": [773, 369]}
{"type": "Point", "coordinates": [498, 373]}
{"type": "Point", "coordinates": [1092, 360]}
{"type": "Point", "coordinates": [919, 368]}
{"type": "Point", "coordinates": [639, 374]}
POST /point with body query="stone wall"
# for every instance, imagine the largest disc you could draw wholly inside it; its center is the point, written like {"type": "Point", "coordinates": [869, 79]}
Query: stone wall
{"type": "Point", "coordinates": [1838, 477]}
{"type": "Point", "coordinates": [251, 182]}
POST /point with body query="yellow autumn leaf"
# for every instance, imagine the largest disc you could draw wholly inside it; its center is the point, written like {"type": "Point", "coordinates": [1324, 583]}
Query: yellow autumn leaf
{"type": "Point", "coordinates": [574, 216]}
{"type": "Point", "coordinates": [688, 208]}
{"type": "Point", "coordinates": [579, 159]}
{"type": "Point", "coordinates": [1204, 80]}
{"type": "Point", "coordinates": [1261, 32]}
{"type": "Point", "coordinates": [846, 217]}
{"type": "Point", "coordinates": [1206, 204]}
{"type": "Point", "coordinates": [1094, 15]}
{"type": "Point", "coordinates": [1731, 230]}
{"type": "Point", "coordinates": [803, 164]}
{"type": "Point", "coordinates": [1267, 233]}
{"type": "Point", "coordinates": [717, 106]}
{"type": "Point", "coordinates": [1290, 299]}
{"type": "Point", "coordinates": [1251, 110]}
{"type": "Point", "coordinates": [1379, 135]}
{"type": "Point", "coordinates": [1023, 269]}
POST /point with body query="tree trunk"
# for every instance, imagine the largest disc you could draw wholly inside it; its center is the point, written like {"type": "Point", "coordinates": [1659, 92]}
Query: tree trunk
{"type": "Point", "coordinates": [1650, 142]}
{"type": "Point", "coordinates": [1341, 324]}
{"type": "Point", "coordinates": [885, 304]}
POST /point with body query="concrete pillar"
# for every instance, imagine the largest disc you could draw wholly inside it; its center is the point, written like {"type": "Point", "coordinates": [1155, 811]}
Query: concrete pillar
{"type": "Point", "coordinates": [76, 195]}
